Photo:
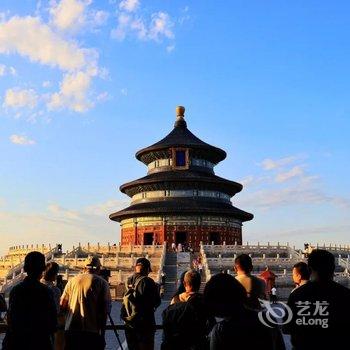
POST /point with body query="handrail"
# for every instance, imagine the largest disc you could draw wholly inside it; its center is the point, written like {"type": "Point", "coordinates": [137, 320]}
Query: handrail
{"type": "Point", "coordinates": [108, 327]}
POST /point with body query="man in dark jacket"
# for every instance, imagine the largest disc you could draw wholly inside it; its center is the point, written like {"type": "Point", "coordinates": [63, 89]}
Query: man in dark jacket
{"type": "Point", "coordinates": [138, 309]}
{"type": "Point", "coordinates": [32, 313]}
{"type": "Point", "coordinates": [240, 327]}
{"type": "Point", "coordinates": [320, 308]}
{"type": "Point", "coordinates": [186, 321]}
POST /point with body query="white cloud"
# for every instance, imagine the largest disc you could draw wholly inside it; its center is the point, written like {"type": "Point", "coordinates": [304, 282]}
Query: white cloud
{"type": "Point", "coordinates": [52, 227]}
{"type": "Point", "coordinates": [123, 23]}
{"type": "Point", "coordinates": [2, 70]}
{"type": "Point", "coordinates": [276, 191]}
{"type": "Point", "coordinates": [46, 47]}
{"type": "Point", "coordinates": [170, 48]}
{"type": "Point", "coordinates": [185, 16]}
{"type": "Point", "coordinates": [161, 25]}
{"type": "Point", "coordinates": [40, 44]}
{"type": "Point", "coordinates": [269, 164]}
{"type": "Point", "coordinates": [72, 15]}
{"type": "Point", "coordinates": [290, 174]}
{"type": "Point", "coordinates": [296, 195]}
{"type": "Point", "coordinates": [106, 208]}
{"type": "Point", "coordinates": [46, 84]}
{"type": "Point", "coordinates": [12, 71]}
{"type": "Point", "coordinates": [62, 213]}
{"type": "Point", "coordinates": [100, 17]}
{"type": "Point", "coordinates": [130, 22]}
{"type": "Point", "coordinates": [16, 98]}
{"type": "Point", "coordinates": [57, 224]}
{"type": "Point", "coordinates": [5, 70]}
{"type": "Point", "coordinates": [73, 93]}
{"type": "Point", "coordinates": [247, 180]}
{"type": "Point", "coordinates": [129, 5]}
{"type": "Point", "coordinates": [68, 14]}
{"type": "Point", "coordinates": [21, 140]}
{"type": "Point", "coordinates": [124, 91]}
{"type": "Point", "coordinates": [103, 96]}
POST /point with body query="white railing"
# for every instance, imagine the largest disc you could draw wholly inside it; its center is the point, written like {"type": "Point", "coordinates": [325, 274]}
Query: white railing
{"type": "Point", "coordinates": [345, 263]}
{"type": "Point", "coordinates": [244, 248]}
{"type": "Point", "coordinates": [205, 262]}
{"type": "Point", "coordinates": [8, 284]}
{"type": "Point", "coordinates": [161, 263]}
{"type": "Point", "coordinates": [16, 273]}
{"type": "Point", "coordinates": [117, 248]}
{"type": "Point", "coordinates": [108, 262]}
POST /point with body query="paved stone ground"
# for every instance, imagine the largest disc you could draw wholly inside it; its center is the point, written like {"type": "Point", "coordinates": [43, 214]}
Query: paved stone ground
{"type": "Point", "coordinates": [111, 340]}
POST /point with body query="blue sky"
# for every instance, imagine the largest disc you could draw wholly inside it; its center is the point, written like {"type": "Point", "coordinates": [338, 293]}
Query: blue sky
{"type": "Point", "coordinates": [85, 84]}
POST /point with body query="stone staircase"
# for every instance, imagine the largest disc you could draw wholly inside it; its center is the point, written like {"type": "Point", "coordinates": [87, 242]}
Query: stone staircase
{"type": "Point", "coordinates": [170, 268]}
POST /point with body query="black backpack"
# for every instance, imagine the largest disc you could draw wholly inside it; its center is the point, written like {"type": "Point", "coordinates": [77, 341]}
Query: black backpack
{"type": "Point", "coordinates": [129, 308]}
{"type": "Point", "coordinates": [185, 325]}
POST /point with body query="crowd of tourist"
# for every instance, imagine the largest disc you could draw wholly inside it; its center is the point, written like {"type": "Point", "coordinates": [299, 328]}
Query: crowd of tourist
{"type": "Point", "coordinates": [231, 313]}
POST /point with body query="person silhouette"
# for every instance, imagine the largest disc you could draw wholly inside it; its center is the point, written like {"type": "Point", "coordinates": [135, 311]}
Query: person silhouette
{"type": "Point", "coordinates": [32, 313]}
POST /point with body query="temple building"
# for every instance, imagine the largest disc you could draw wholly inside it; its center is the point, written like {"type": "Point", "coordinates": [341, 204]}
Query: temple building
{"type": "Point", "coordinates": [181, 199]}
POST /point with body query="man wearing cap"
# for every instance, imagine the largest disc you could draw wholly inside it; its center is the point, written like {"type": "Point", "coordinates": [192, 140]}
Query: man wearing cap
{"type": "Point", "coordinates": [87, 301]}
{"type": "Point", "coordinates": [141, 329]}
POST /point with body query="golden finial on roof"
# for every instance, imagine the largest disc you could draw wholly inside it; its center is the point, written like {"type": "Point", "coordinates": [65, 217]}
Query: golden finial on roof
{"type": "Point", "coordinates": [180, 111]}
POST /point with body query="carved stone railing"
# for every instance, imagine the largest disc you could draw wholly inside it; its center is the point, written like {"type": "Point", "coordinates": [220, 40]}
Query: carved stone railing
{"type": "Point", "coordinates": [239, 249]}
{"type": "Point", "coordinates": [161, 263]}
{"type": "Point", "coordinates": [205, 262]}
{"type": "Point", "coordinates": [115, 249]}
{"type": "Point", "coordinates": [16, 273]}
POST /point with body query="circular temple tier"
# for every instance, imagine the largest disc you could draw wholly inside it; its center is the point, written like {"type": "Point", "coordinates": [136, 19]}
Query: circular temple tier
{"type": "Point", "coordinates": [181, 200]}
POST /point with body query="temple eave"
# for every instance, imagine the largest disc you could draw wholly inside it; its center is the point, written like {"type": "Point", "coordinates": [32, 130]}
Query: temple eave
{"type": "Point", "coordinates": [142, 210]}
{"type": "Point", "coordinates": [181, 180]}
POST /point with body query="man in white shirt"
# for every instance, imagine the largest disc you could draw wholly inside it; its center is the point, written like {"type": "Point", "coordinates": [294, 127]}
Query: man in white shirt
{"type": "Point", "coordinates": [273, 295]}
{"type": "Point", "coordinates": [87, 302]}
{"type": "Point", "coordinates": [254, 286]}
